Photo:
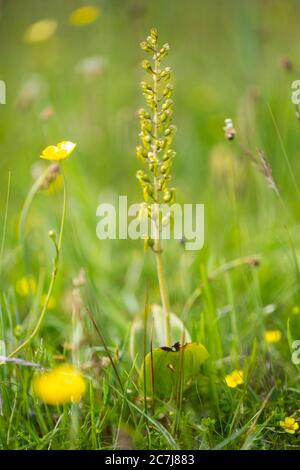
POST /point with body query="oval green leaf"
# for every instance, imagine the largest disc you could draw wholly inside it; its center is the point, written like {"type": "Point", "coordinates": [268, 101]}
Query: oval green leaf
{"type": "Point", "coordinates": [166, 369]}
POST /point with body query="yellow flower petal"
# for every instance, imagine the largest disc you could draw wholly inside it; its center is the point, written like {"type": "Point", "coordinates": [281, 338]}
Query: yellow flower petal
{"type": "Point", "coordinates": [58, 152]}
{"type": "Point", "coordinates": [289, 425]}
{"type": "Point", "coordinates": [84, 15]}
{"type": "Point", "coordinates": [50, 153]}
{"type": "Point", "coordinates": [51, 303]}
{"type": "Point", "coordinates": [235, 378]}
{"type": "Point", "coordinates": [26, 285]}
{"type": "Point", "coordinates": [66, 146]}
{"type": "Point", "coordinates": [296, 310]}
{"type": "Point", "coordinates": [289, 421]}
{"type": "Point", "coordinates": [40, 31]}
{"type": "Point", "coordinates": [290, 431]}
{"type": "Point", "coordinates": [272, 336]}
{"type": "Point", "coordinates": [230, 382]}
{"type": "Point", "coordinates": [64, 384]}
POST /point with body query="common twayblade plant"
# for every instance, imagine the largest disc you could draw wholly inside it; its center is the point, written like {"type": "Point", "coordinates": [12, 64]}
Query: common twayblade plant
{"type": "Point", "coordinates": [155, 151]}
{"type": "Point", "coordinates": [167, 370]}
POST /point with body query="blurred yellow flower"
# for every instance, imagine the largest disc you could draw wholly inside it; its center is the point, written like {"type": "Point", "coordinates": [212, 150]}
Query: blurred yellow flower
{"type": "Point", "coordinates": [272, 336]}
{"type": "Point", "coordinates": [289, 425]}
{"type": "Point", "coordinates": [26, 285]}
{"type": "Point", "coordinates": [84, 15]}
{"type": "Point", "coordinates": [51, 303]}
{"type": "Point", "coordinates": [58, 152]}
{"type": "Point", "coordinates": [235, 378]}
{"type": "Point", "coordinates": [64, 384]}
{"type": "Point", "coordinates": [40, 31]}
{"type": "Point", "coordinates": [296, 310]}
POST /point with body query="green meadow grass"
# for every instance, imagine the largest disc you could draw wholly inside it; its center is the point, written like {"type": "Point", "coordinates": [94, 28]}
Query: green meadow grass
{"type": "Point", "coordinates": [226, 62]}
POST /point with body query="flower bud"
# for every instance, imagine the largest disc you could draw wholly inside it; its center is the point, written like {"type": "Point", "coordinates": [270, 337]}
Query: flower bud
{"type": "Point", "coordinates": [154, 34]}
{"type": "Point", "coordinates": [52, 235]}
{"type": "Point", "coordinates": [163, 117]}
{"type": "Point", "coordinates": [147, 66]}
{"type": "Point", "coordinates": [167, 104]}
{"type": "Point", "coordinates": [145, 46]}
{"type": "Point", "coordinates": [167, 196]}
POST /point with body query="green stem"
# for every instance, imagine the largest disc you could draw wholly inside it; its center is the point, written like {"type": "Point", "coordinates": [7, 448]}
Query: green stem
{"type": "Point", "coordinates": [157, 242]}
{"type": "Point", "coordinates": [5, 219]}
{"type": "Point", "coordinates": [29, 198]}
{"type": "Point", "coordinates": [51, 285]}
{"type": "Point", "coordinates": [163, 293]}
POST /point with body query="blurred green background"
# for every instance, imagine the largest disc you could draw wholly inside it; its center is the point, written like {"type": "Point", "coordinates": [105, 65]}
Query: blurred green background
{"type": "Point", "coordinates": [231, 59]}
{"type": "Point", "coordinates": [228, 61]}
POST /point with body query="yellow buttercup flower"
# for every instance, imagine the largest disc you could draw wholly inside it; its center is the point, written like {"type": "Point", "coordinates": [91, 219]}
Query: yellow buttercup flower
{"type": "Point", "coordinates": [51, 303]}
{"type": "Point", "coordinates": [289, 425]}
{"type": "Point", "coordinates": [235, 378]}
{"type": "Point", "coordinates": [26, 285]}
{"type": "Point", "coordinates": [84, 15]}
{"type": "Point", "coordinates": [40, 31]}
{"type": "Point", "coordinates": [272, 336]}
{"type": "Point", "coordinates": [64, 384]}
{"type": "Point", "coordinates": [61, 151]}
{"type": "Point", "coordinates": [296, 310]}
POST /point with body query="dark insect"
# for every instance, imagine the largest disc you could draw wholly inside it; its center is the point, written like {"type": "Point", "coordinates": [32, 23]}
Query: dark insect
{"type": "Point", "coordinates": [174, 348]}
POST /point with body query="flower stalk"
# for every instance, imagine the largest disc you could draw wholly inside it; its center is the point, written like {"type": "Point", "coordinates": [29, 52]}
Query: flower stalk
{"type": "Point", "coordinates": [57, 245]}
{"type": "Point", "coordinates": [157, 133]}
